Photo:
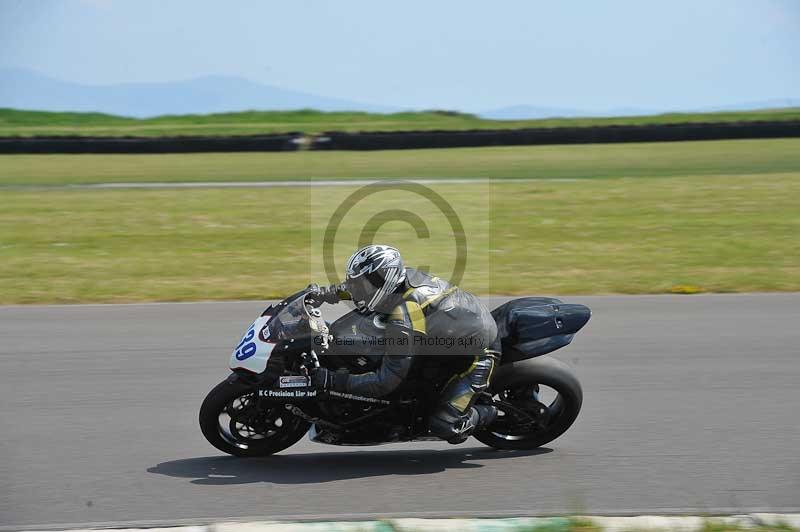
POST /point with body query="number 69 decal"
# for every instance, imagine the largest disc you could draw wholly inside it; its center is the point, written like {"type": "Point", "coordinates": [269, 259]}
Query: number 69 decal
{"type": "Point", "coordinates": [246, 347]}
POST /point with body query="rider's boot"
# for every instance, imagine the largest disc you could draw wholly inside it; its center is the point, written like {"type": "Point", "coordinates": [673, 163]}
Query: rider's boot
{"type": "Point", "coordinates": [486, 415]}
{"type": "Point", "coordinates": [455, 427]}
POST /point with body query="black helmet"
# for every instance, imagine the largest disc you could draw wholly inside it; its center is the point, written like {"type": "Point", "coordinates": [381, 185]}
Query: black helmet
{"type": "Point", "coordinates": [374, 272]}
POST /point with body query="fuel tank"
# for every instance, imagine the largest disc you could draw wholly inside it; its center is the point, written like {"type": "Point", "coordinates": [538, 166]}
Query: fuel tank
{"type": "Point", "coordinates": [359, 335]}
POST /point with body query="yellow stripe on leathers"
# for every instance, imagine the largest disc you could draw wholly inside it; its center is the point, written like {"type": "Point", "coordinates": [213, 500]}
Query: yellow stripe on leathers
{"type": "Point", "coordinates": [415, 309]}
{"type": "Point", "coordinates": [430, 299]}
{"type": "Point", "coordinates": [417, 317]}
{"type": "Point", "coordinates": [462, 374]}
{"type": "Point", "coordinates": [471, 367]}
{"type": "Point", "coordinates": [461, 403]}
{"type": "Point", "coordinates": [414, 313]}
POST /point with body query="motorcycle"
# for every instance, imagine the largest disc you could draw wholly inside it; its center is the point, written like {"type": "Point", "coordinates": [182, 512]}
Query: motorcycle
{"type": "Point", "coordinates": [268, 403]}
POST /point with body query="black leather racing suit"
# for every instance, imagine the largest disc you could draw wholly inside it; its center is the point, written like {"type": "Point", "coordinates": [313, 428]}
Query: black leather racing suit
{"type": "Point", "coordinates": [427, 316]}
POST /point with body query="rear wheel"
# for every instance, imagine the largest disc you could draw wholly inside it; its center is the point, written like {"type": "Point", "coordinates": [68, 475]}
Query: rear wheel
{"type": "Point", "coordinates": [234, 421]}
{"type": "Point", "coordinates": [538, 400]}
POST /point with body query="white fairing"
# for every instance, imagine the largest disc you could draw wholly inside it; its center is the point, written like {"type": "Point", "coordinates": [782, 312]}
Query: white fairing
{"type": "Point", "coordinates": [253, 350]}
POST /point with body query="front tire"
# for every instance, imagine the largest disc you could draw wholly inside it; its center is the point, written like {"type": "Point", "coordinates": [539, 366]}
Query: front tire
{"type": "Point", "coordinates": [233, 421]}
{"type": "Point", "coordinates": [517, 384]}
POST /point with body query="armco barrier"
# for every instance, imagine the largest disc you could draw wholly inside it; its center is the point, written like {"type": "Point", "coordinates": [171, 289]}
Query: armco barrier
{"type": "Point", "coordinates": [287, 142]}
{"type": "Point", "coordinates": [398, 140]}
{"type": "Point", "coordinates": [561, 135]}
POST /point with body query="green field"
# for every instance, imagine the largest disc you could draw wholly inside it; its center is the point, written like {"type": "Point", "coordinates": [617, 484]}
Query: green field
{"type": "Point", "coordinates": [723, 217]}
{"type": "Point", "coordinates": [664, 159]}
{"type": "Point", "coordinates": [29, 123]}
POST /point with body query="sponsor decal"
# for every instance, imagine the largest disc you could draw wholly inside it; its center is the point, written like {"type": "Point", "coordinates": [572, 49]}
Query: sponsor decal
{"type": "Point", "coordinates": [264, 334]}
{"type": "Point", "coordinates": [292, 394]}
{"type": "Point", "coordinates": [294, 381]}
{"type": "Point", "coordinates": [359, 398]}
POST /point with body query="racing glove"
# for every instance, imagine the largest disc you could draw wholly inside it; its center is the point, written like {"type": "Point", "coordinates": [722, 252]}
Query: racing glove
{"type": "Point", "coordinates": [324, 380]}
{"type": "Point", "coordinates": [327, 294]}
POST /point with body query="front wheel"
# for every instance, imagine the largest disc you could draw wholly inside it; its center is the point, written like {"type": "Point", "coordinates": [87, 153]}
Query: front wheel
{"type": "Point", "coordinates": [538, 400]}
{"type": "Point", "coordinates": [233, 420]}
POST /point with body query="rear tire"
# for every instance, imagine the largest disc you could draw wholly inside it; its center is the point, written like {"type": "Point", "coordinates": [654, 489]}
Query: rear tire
{"type": "Point", "coordinates": [562, 412]}
{"type": "Point", "coordinates": [236, 401]}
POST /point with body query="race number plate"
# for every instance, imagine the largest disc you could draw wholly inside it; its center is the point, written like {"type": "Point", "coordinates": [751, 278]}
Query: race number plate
{"type": "Point", "coordinates": [253, 350]}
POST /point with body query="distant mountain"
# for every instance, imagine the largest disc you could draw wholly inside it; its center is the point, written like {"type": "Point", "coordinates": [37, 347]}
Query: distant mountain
{"type": "Point", "coordinates": [24, 89]}
{"type": "Point", "coordinates": [776, 103]}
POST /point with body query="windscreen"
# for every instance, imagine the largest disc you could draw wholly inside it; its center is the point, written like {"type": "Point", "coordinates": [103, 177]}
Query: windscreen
{"type": "Point", "coordinates": [291, 320]}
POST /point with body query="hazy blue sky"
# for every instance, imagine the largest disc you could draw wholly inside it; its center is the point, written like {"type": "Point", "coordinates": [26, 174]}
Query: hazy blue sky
{"type": "Point", "coordinates": [446, 54]}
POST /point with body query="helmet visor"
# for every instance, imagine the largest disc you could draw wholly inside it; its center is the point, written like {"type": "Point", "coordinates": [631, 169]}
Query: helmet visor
{"type": "Point", "coordinates": [370, 289]}
{"type": "Point", "coordinates": [362, 289]}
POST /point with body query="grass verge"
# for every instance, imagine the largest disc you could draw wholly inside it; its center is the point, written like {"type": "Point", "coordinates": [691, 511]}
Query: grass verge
{"type": "Point", "coordinates": [716, 233]}
{"type": "Point", "coordinates": [732, 157]}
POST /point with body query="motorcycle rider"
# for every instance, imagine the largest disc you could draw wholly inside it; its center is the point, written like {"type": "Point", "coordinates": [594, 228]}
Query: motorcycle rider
{"type": "Point", "coordinates": [420, 310]}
